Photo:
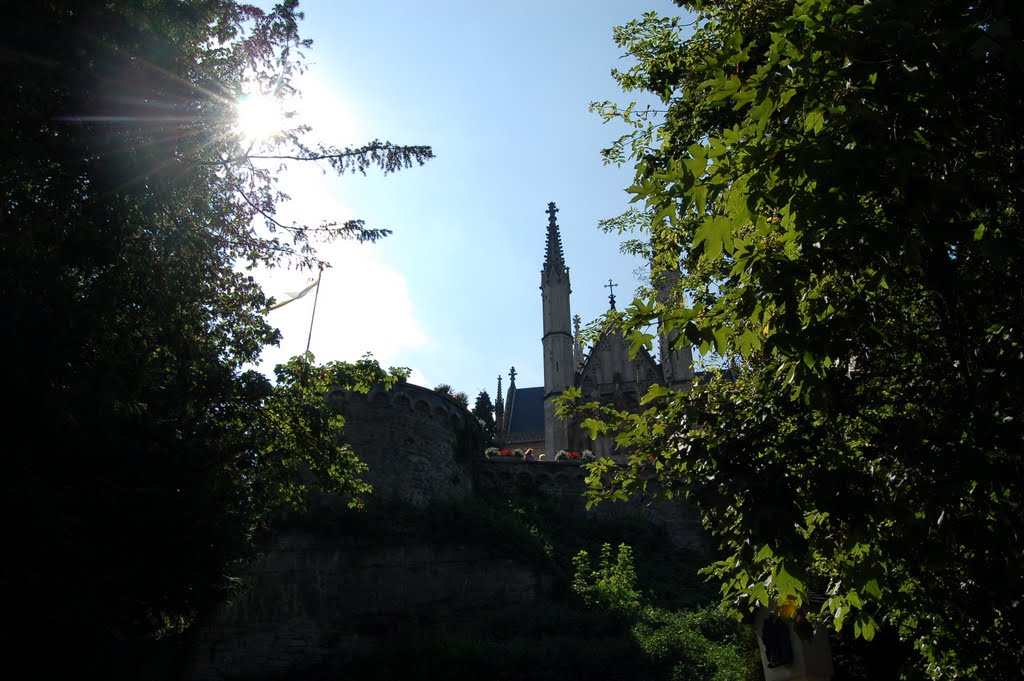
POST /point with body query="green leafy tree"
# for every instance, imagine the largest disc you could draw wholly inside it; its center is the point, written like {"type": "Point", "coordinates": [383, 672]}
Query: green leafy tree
{"type": "Point", "coordinates": [448, 391]}
{"type": "Point", "coordinates": [136, 471]}
{"type": "Point", "coordinates": [297, 431]}
{"type": "Point", "coordinates": [841, 184]}
{"type": "Point", "coordinates": [483, 409]}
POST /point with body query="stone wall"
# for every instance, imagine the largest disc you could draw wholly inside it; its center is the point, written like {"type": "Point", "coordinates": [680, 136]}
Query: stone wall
{"type": "Point", "coordinates": [408, 436]}
{"type": "Point", "coordinates": [313, 593]}
{"type": "Point", "coordinates": [567, 481]}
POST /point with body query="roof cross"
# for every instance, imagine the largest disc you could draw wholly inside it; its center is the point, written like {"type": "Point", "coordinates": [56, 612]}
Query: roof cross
{"type": "Point", "coordinates": [611, 292]}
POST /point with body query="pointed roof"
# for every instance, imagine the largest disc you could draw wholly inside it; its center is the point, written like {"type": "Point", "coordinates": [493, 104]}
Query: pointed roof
{"type": "Point", "coordinates": [526, 411]}
{"type": "Point", "coordinates": [553, 257]}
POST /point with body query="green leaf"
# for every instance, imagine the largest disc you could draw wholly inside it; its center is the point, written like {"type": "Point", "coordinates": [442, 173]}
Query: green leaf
{"type": "Point", "coordinates": [639, 339]}
{"type": "Point", "coordinates": [839, 616]}
{"type": "Point", "coordinates": [786, 584]}
{"type": "Point", "coordinates": [713, 232]}
{"type": "Point", "coordinates": [654, 392]}
{"type": "Point", "coordinates": [864, 625]}
{"type": "Point", "coordinates": [696, 166]}
{"type": "Point", "coordinates": [760, 593]}
{"type": "Point", "coordinates": [594, 427]}
{"type": "Point", "coordinates": [700, 197]}
{"type": "Point", "coordinates": [814, 121]}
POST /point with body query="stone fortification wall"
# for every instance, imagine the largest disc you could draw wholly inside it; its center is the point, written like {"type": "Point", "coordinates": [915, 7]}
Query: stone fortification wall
{"type": "Point", "coordinates": [567, 481]}
{"type": "Point", "coordinates": [410, 438]}
{"type": "Point", "coordinates": [313, 594]}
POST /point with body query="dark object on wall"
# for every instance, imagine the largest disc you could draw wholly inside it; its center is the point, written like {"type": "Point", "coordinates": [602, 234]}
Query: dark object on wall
{"type": "Point", "coordinates": [777, 648]}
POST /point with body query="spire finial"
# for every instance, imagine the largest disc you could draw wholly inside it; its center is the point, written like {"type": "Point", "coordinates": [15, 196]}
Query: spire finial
{"type": "Point", "coordinates": [576, 327]}
{"type": "Point", "coordinates": [512, 376]}
{"type": "Point", "coordinates": [611, 293]}
{"type": "Point", "coordinates": [553, 253]}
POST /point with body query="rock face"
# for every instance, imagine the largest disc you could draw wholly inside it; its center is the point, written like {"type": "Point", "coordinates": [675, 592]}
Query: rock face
{"type": "Point", "coordinates": [310, 592]}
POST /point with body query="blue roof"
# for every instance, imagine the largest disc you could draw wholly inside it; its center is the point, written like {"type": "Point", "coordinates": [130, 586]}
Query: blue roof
{"type": "Point", "coordinates": [526, 412]}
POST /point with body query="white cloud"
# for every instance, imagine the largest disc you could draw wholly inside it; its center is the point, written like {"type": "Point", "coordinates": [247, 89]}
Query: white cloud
{"type": "Point", "coordinates": [363, 306]}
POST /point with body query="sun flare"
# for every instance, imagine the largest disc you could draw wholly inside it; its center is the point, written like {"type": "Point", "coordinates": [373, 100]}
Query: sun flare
{"type": "Point", "coordinates": [259, 116]}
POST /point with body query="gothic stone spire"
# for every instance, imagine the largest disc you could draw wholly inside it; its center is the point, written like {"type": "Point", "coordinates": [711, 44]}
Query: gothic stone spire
{"type": "Point", "coordinates": [499, 410]}
{"type": "Point", "coordinates": [553, 257]}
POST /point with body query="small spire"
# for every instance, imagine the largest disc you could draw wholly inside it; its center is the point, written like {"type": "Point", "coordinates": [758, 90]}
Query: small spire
{"type": "Point", "coordinates": [553, 257]}
{"type": "Point", "coordinates": [611, 293]}
{"type": "Point", "coordinates": [512, 377]}
{"type": "Point", "coordinates": [577, 345]}
{"type": "Point", "coordinates": [499, 410]}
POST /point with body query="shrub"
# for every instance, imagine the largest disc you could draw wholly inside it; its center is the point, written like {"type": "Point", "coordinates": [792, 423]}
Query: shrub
{"type": "Point", "coordinates": [612, 585]}
{"type": "Point", "coordinates": [697, 644]}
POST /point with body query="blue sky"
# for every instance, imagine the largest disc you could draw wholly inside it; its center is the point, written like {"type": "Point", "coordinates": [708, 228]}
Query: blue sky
{"type": "Point", "coordinates": [501, 92]}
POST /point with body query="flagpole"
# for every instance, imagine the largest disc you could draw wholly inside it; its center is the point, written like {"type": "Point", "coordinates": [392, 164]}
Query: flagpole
{"type": "Point", "coordinates": [316, 297]}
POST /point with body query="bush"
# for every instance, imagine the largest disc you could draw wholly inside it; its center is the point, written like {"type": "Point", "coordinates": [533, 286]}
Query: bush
{"type": "Point", "coordinates": [697, 644]}
{"type": "Point", "coordinates": [612, 586]}
{"type": "Point", "coordinates": [682, 645]}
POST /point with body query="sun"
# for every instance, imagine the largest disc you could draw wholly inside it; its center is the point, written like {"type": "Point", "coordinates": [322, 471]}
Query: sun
{"type": "Point", "coordinates": [259, 116]}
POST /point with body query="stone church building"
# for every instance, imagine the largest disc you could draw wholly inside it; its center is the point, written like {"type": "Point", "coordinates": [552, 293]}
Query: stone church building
{"type": "Point", "coordinates": [526, 416]}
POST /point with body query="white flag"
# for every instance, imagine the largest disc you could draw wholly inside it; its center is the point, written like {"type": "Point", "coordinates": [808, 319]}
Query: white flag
{"type": "Point", "coordinates": [295, 295]}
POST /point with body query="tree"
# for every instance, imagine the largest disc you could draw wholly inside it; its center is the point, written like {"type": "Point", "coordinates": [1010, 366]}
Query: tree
{"type": "Point", "coordinates": [484, 411]}
{"type": "Point", "coordinates": [841, 183]}
{"type": "Point", "coordinates": [297, 431]}
{"type": "Point", "coordinates": [448, 391]}
{"type": "Point", "coordinates": [135, 463]}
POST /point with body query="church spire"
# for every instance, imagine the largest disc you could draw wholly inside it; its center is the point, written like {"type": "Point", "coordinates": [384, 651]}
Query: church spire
{"type": "Point", "coordinates": [499, 411]}
{"type": "Point", "coordinates": [553, 257]}
{"type": "Point", "coordinates": [577, 343]}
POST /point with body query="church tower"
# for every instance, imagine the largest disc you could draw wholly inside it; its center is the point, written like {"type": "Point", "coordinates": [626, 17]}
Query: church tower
{"type": "Point", "coordinates": [559, 365]}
